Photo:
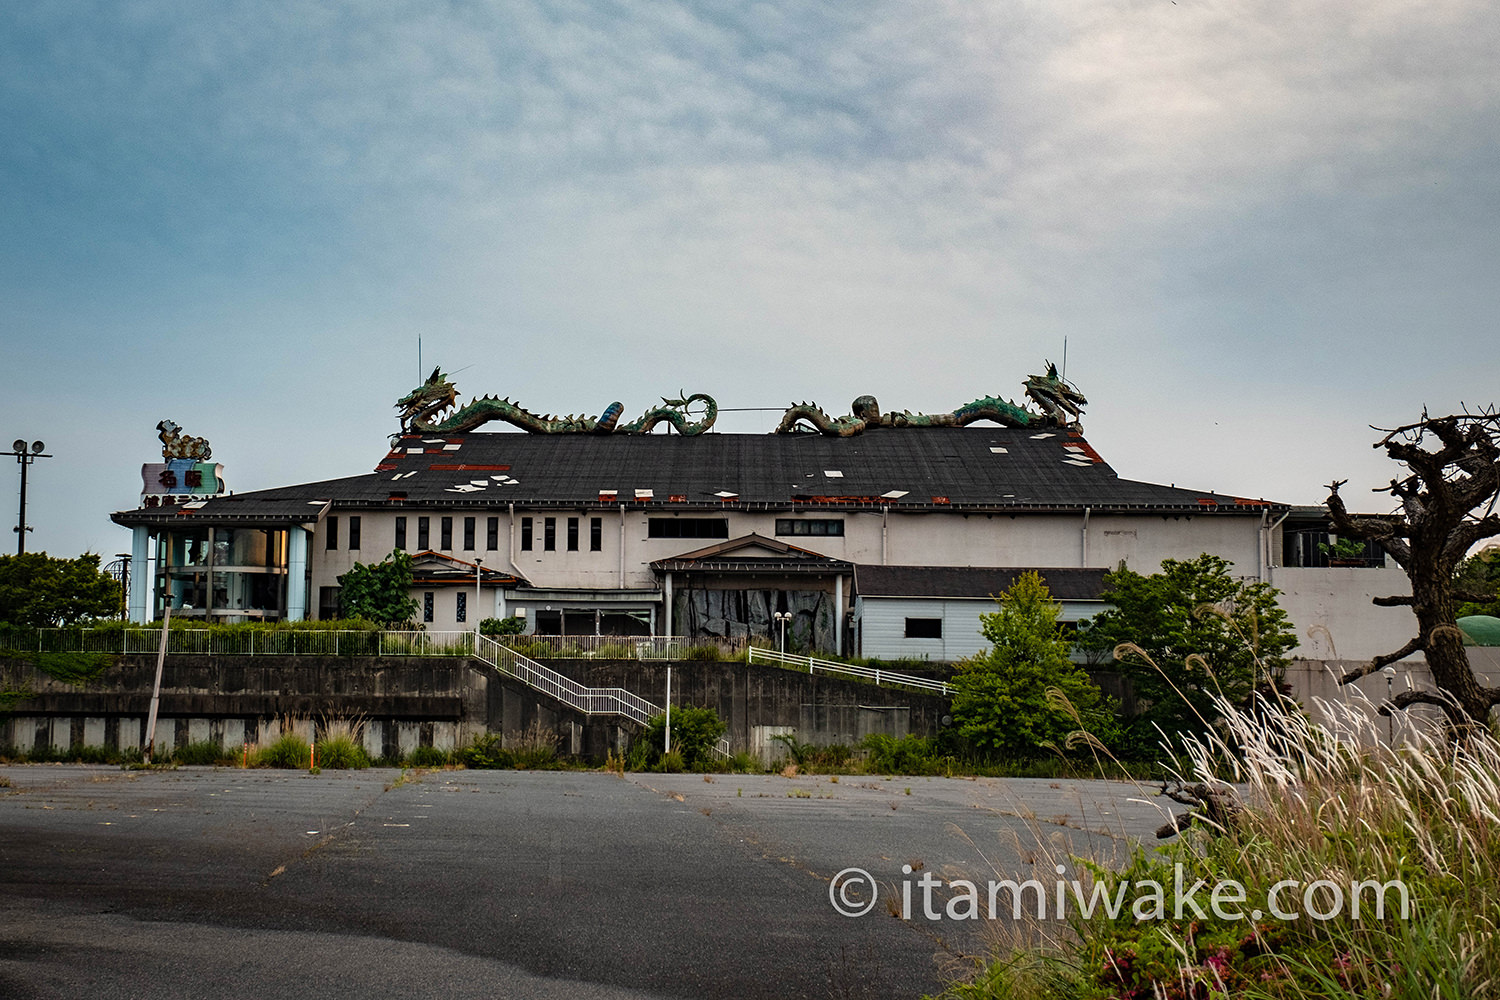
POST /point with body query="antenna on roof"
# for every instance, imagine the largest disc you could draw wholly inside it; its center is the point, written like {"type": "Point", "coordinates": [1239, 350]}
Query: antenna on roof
{"type": "Point", "coordinates": [419, 359]}
{"type": "Point", "coordinates": [1065, 360]}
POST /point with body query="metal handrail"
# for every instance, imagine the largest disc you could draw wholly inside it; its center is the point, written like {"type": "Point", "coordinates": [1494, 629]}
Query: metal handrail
{"type": "Point", "coordinates": [812, 664]}
{"type": "Point", "coordinates": [588, 700]}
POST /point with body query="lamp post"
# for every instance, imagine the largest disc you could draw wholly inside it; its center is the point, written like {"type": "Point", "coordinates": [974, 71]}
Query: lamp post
{"type": "Point", "coordinates": [1390, 719]}
{"type": "Point", "coordinates": [478, 591]}
{"type": "Point", "coordinates": [25, 458]}
{"type": "Point", "coordinates": [781, 618]}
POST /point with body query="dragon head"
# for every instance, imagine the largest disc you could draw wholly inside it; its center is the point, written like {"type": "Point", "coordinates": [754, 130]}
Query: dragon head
{"type": "Point", "coordinates": [427, 399]}
{"type": "Point", "coordinates": [1062, 403]}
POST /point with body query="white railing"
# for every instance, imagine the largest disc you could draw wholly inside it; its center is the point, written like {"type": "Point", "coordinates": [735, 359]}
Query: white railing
{"type": "Point", "coordinates": [812, 664]}
{"type": "Point", "coordinates": [588, 700]}
{"type": "Point", "coordinates": [248, 642]}
{"type": "Point", "coordinates": [619, 647]}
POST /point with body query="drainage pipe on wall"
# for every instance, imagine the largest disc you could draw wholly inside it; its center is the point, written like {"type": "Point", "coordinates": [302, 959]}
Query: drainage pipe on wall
{"type": "Point", "coordinates": [1085, 562]}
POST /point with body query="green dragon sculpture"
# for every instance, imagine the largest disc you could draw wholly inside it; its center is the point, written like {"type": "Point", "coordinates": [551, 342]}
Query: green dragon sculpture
{"type": "Point", "coordinates": [1060, 403]}
{"type": "Point", "coordinates": [422, 412]}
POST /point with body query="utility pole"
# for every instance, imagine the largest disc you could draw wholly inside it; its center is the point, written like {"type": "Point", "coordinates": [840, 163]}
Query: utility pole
{"type": "Point", "coordinates": [25, 458]}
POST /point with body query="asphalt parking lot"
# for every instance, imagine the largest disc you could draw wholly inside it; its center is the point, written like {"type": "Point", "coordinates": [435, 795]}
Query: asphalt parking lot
{"type": "Point", "coordinates": [456, 884]}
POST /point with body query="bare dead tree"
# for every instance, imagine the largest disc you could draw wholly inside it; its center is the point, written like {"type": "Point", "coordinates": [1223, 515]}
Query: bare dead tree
{"type": "Point", "coordinates": [1447, 504]}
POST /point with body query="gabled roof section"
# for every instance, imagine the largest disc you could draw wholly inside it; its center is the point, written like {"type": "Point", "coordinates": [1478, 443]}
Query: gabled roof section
{"type": "Point", "coordinates": [745, 544]}
{"type": "Point", "coordinates": [429, 567]}
{"type": "Point", "coordinates": [753, 553]}
{"type": "Point", "coordinates": [915, 468]}
{"type": "Point", "coordinates": [1066, 584]}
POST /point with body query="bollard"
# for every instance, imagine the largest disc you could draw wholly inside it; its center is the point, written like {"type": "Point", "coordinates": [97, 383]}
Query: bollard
{"type": "Point", "coordinates": [312, 756]}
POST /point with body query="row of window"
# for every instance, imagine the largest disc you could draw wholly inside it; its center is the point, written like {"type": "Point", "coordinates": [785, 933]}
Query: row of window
{"type": "Point", "coordinates": [656, 527]}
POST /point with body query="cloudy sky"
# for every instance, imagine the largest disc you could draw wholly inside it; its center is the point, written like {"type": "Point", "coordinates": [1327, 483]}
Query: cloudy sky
{"type": "Point", "coordinates": [1260, 227]}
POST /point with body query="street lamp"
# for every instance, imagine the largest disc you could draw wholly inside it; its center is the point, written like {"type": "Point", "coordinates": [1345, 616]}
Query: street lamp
{"type": "Point", "coordinates": [25, 457]}
{"type": "Point", "coordinates": [1390, 719]}
{"type": "Point", "coordinates": [478, 592]}
{"type": "Point", "coordinates": [781, 618]}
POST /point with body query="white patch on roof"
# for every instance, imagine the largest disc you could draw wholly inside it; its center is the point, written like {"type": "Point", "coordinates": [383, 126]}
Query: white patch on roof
{"type": "Point", "coordinates": [644, 494]}
{"type": "Point", "coordinates": [505, 480]}
{"type": "Point", "coordinates": [433, 440]}
{"type": "Point", "coordinates": [463, 488]}
{"type": "Point", "coordinates": [997, 450]}
{"type": "Point", "coordinates": [725, 494]}
{"type": "Point", "coordinates": [1038, 437]}
{"type": "Point", "coordinates": [416, 451]}
{"type": "Point", "coordinates": [316, 503]}
{"type": "Point", "coordinates": [452, 447]}
{"type": "Point", "coordinates": [895, 494]}
{"type": "Point", "coordinates": [833, 474]}
{"type": "Point", "coordinates": [397, 476]}
{"type": "Point", "coordinates": [608, 491]}
{"type": "Point", "coordinates": [408, 475]}
{"type": "Point", "coordinates": [195, 505]}
{"type": "Point", "coordinates": [481, 483]}
{"type": "Point", "coordinates": [1074, 461]}
{"type": "Point", "coordinates": [1073, 447]}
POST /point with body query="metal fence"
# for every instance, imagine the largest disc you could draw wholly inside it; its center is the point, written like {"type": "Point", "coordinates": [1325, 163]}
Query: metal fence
{"type": "Point", "coordinates": [621, 647]}
{"type": "Point", "coordinates": [246, 642]}
{"type": "Point", "coordinates": [812, 664]}
{"type": "Point", "coordinates": [591, 701]}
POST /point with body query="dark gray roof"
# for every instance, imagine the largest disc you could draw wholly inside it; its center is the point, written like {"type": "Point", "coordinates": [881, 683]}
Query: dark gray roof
{"type": "Point", "coordinates": [971, 581]}
{"type": "Point", "coordinates": [994, 468]}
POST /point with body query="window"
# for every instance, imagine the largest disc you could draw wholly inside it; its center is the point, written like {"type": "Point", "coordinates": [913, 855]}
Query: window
{"type": "Point", "coordinates": [572, 534]}
{"type": "Point", "coordinates": [445, 533]}
{"type": "Point", "coordinates": [596, 534]}
{"type": "Point", "coordinates": [331, 532]}
{"type": "Point", "coordinates": [424, 535]}
{"type": "Point", "coordinates": [924, 628]}
{"type": "Point", "coordinates": [492, 533]}
{"type": "Point", "coordinates": [549, 534]}
{"type": "Point", "coordinates": [401, 532]}
{"type": "Point", "coordinates": [525, 534]}
{"type": "Point", "coordinates": [427, 603]}
{"type": "Point", "coordinates": [469, 534]}
{"type": "Point", "coordinates": [808, 526]}
{"type": "Point", "coordinates": [354, 533]}
{"type": "Point", "coordinates": [328, 603]}
{"type": "Point", "coordinates": [688, 527]}
{"type": "Point", "coordinates": [461, 607]}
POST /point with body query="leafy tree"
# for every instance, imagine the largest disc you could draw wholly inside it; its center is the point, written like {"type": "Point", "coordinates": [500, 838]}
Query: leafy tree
{"type": "Point", "coordinates": [503, 626]}
{"type": "Point", "coordinates": [39, 591]}
{"type": "Point", "coordinates": [1447, 506]}
{"type": "Point", "coordinates": [1205, 633]}
{"type": "Point", "coordinates": [695, 733]}
{"type": "Point", "coordinates": [1479, 577]}
{"type": "Point", "coordinates": [1001, 703]}
{"type": "Point", "coordinates": [379, 592]}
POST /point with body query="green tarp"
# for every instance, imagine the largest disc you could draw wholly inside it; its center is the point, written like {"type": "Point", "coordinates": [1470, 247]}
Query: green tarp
{"type": "Point", "coordinates": [1481, 630]}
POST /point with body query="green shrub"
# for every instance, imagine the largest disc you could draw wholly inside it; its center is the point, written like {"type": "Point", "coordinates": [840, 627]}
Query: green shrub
{"type": "Point", "coordinates": [535, 748]}
{"type": "Point", "coordinates": [670, 763]}
{"type": "Point", "coordinates": [289, 750]}
{"type": "Point", "coordinates": [502, 626]}
{"type": "Point", "coordinates": [341, 753]}
{"type": "Point", "coordinates": [695, 733]}
{"type": "Point", "coordinates": [908, 755]}
{"type": "Point", "coordinates": [703, 653]}
{"type": "Point", "coordinates": [486, 753]}
{"type": "Point", "coordinates": [427, 757]}
{"type": "Point", "coordinates": [204, 753]}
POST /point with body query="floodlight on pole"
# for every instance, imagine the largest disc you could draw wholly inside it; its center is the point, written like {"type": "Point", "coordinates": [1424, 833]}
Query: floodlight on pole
{"type": "Point", "coordinates": [25, 457]}
{"type": "Point", "coordinates": [782, 618]}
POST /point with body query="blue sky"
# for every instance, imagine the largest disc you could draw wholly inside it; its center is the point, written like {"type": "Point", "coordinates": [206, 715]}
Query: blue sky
{"type": "Point", "coordinates": [1260, 229]}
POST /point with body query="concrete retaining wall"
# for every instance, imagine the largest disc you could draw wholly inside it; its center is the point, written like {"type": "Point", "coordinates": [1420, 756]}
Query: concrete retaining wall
{"type": "Point", "coordinates": [401, 703]}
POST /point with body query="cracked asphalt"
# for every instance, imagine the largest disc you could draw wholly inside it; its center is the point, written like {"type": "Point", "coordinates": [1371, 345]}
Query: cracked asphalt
{"type": "Point", "coordinates": [457, 884]}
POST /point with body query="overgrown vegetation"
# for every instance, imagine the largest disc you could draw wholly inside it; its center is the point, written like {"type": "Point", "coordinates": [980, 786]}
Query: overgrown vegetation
{"type": "Point", "coordinates": [1320, 806]}
{"type": "Point", "coordinates": [38, 591]}
{"type": "Point", "coordinates": [695, 733]}
{"type": "Point", "coordinates": [1190, 639]}
{"type": "Point", "coordinates": [1022, 697]}
{"type": "Point", "coordinates": [379, 592]}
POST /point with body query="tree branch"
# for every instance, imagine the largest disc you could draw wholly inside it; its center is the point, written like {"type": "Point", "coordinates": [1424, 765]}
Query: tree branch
{"type": "Point", "coordinates": [1412, 646]}
{"type": "Point", "coordinates": [1394, 602]}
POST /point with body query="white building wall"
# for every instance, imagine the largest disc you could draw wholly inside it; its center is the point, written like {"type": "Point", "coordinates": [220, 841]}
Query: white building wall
{"type": "Point", "coordinates": [1332, 610]}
